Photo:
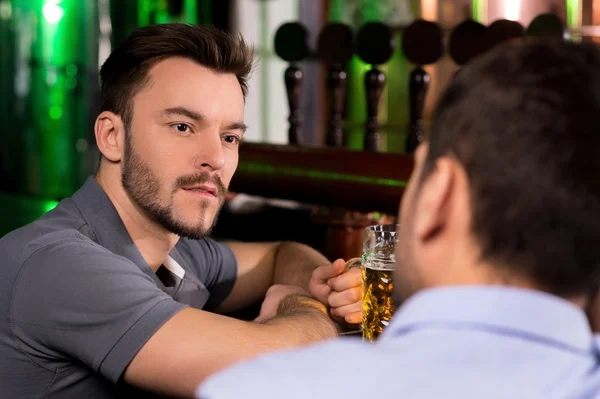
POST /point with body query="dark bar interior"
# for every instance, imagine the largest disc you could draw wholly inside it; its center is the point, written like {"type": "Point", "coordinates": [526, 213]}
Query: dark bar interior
{"type": "Point", "coordinates": [352, 102]}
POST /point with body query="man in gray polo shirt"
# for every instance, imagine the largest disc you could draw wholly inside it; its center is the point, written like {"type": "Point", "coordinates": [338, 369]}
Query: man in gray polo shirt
{"type": "Point", "coordinates": [118, 290]}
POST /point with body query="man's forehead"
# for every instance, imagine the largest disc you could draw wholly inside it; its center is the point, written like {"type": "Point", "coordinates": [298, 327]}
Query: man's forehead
{"type": "Point", "coordinates": [187, 71]}
{"type": "Point", "coordinates": [179, 82]}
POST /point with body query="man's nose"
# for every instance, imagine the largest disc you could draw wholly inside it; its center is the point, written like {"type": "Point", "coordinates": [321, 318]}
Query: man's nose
{"type": "Point", "coordinates": [209, 152]}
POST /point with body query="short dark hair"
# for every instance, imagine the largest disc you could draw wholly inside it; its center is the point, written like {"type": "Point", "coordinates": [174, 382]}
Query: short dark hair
{"type": "Point", "coordinates": [523, 120]}
{"type": "Point", "coordinates": [125, 71]}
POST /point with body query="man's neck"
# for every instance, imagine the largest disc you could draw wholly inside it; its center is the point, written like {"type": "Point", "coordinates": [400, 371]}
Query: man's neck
{"type": "Point", "coordinates": [480, 272]}
{"type": "Point", "coordinates": [152, 240]}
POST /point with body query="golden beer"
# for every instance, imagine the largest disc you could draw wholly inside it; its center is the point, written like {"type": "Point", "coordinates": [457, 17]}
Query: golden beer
{"type": "Point", "coordinates": [377, 263]}
{"type": "Point", "coordinates": [378, 305]}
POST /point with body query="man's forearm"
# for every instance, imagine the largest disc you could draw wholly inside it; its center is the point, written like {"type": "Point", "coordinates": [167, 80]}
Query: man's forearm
{"type": "Point", "coordinates": [194, 344]}
{"type": "Point", "coordinates": [295, 262]}
{"type": "Point", "coordinates": [305, 311]}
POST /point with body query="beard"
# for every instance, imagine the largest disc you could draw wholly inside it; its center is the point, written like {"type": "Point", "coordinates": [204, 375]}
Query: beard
{"type": "Point", "coordinates": [144, 189]}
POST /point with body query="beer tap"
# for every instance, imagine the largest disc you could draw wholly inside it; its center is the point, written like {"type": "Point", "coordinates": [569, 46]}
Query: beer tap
{"type": "Point", "coordinates": [291, 46]}
{"type": "Point", "coordinates": [335, 47]}
{"type": "Point", "coordinates": [375, 45]}
{"type": "Point", "coordinates": [500, 31]}
{"type": "Point", "coordinates": [466, 42]}
{"type": "Point", "coordinates": [422, 44]}
{"type": "Point", "coordinates": [548, 26]}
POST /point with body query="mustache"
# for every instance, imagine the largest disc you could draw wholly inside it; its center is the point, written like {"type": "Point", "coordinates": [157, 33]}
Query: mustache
{"type": "Point", "coordinates": [202, 178]}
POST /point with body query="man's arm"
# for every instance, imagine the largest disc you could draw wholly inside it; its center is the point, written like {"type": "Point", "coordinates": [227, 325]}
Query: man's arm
{"type": "Point", "coordinates": [139, 333]}
{"type": "Point", "coordinates": [261, 265]}
{"type": "Point", "coordinates": [194, 344]}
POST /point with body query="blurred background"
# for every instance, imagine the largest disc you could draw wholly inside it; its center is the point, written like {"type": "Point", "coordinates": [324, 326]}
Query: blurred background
{"type": "Point", "coordinates": [51, 51]}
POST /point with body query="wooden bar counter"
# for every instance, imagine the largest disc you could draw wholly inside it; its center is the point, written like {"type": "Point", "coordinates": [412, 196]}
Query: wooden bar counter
{"type": "Point", "coordinates": [355, 180]}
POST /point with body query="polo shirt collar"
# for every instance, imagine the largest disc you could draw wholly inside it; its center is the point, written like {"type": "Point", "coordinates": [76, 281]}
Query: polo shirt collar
{"type": "Point", "coordinates": [525, 313]}
{"type": "Point", "coordinates": [104, 220]}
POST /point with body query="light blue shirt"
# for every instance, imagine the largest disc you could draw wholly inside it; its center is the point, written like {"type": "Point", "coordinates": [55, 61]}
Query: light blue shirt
{"type": "Point", "coordinates": [456, 342]}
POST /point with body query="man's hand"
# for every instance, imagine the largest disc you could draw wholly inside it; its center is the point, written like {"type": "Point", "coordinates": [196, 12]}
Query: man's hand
{"type": "Point", "coordinates": [287, 301]}
{"type": "Point", "coordinates": [275, 294]}
{"type": "Point", "coordinates": [339, 289]}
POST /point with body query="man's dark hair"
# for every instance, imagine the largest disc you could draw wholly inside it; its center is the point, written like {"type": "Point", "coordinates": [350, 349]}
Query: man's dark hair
{"type": "Point", "coordinates": [523, 120]}
{"type": "Point", "coordinates": [125, 72]}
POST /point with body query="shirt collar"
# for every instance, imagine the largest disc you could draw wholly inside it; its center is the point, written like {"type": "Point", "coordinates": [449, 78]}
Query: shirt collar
{"type": "Point", "coordinates": [522, 312]}
{"type": "Point", "coordinates": [102, 217]}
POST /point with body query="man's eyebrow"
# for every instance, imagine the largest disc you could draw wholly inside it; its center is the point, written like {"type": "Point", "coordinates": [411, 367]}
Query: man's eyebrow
{"type": "Point", "coordinates": [183, 111]}
{"type": "Point", "coordinates": [237, 126]}
{"type": "Point", "coordinates": [196, 116]}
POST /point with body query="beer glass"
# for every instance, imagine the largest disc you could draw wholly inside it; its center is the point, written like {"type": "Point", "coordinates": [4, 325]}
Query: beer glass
{"type": "Point", "coordinates": [377, 264]}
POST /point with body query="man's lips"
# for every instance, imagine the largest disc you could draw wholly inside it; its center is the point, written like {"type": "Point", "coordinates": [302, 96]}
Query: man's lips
{"type": "Point", "coordinates": [202, 189]}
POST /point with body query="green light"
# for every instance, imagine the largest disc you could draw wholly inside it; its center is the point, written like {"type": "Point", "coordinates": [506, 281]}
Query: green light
{"type": "Point", "coordinates": [48, 206]}
{"type": "Point", "coordinates": [5, 10]}
{"type": "Point", "coordinates": [70, 83]}
{"type": "Point", "coordinates": [156, 11]}
{"type": "Point", "coordinates": [64, 34]}
{"type": "Point", "coordinates": [396, 85]}
{"type": "Point", "coordinates": [479, 11]}
{"type": "Point", "coordinates": [336, 11]}
{"type": "Point", "coordinates": [53, 13]}
{"type": "Point", "coordinates": [573, 13]}
{"type": "Point", "coordinates": [71, 70]}
{"type": "Point", "coordinates": [371, 11]}
{"type": "Point", "coordinates": [356, 103]}
{"type": "Point", "coordinates": [259, 168]}
{"type": "Point", "coordinates": [56, 97]}
{"type": "Point", "coordinates": [191, 11]}
{"type": "Point", "coordinates": [22, 209]}
{"type": "Point", "coordinates": [55, 112]}
{"type": "Point", "coordinates": [51, 76]}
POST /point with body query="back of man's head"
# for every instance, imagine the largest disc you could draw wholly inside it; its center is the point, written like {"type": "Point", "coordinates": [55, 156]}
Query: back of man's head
{"type": "Point", "coordinates": [523, 122]}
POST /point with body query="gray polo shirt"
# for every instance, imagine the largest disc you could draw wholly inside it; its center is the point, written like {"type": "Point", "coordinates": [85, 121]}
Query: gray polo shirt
{"type": "Point", "coordinates": [78, 300]}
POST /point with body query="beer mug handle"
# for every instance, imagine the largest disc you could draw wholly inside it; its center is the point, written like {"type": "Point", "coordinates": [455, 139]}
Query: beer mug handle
{"type": "Point", "coordinates": [352, 263]}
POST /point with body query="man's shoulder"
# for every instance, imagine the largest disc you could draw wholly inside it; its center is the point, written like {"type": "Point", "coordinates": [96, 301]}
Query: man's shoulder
{"type": "Point", "coordinates": [62, 222]}
{"type": "Point", "coordinates": [313, 371]}
{"type": "Point", "coordinates": [60, 230]}
{"type": "Point", "coordinates": [18, 246]}
{"type": "Point", "coordinates": [45, 259]}
{"type": "Point", "coordinates": [414, 366]}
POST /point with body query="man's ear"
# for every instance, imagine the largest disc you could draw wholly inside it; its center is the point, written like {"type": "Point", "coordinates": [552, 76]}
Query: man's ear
{"type": "Point", "coordinates": [110, 135]}
{"type": "Point", "coordinates": [434, 199]}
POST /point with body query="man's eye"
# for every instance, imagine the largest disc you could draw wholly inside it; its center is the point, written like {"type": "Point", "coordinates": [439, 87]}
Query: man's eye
{"type": "Point", "coordinates": [231, 139]}
{"type": "Point", "coordinates": [181, 127]}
